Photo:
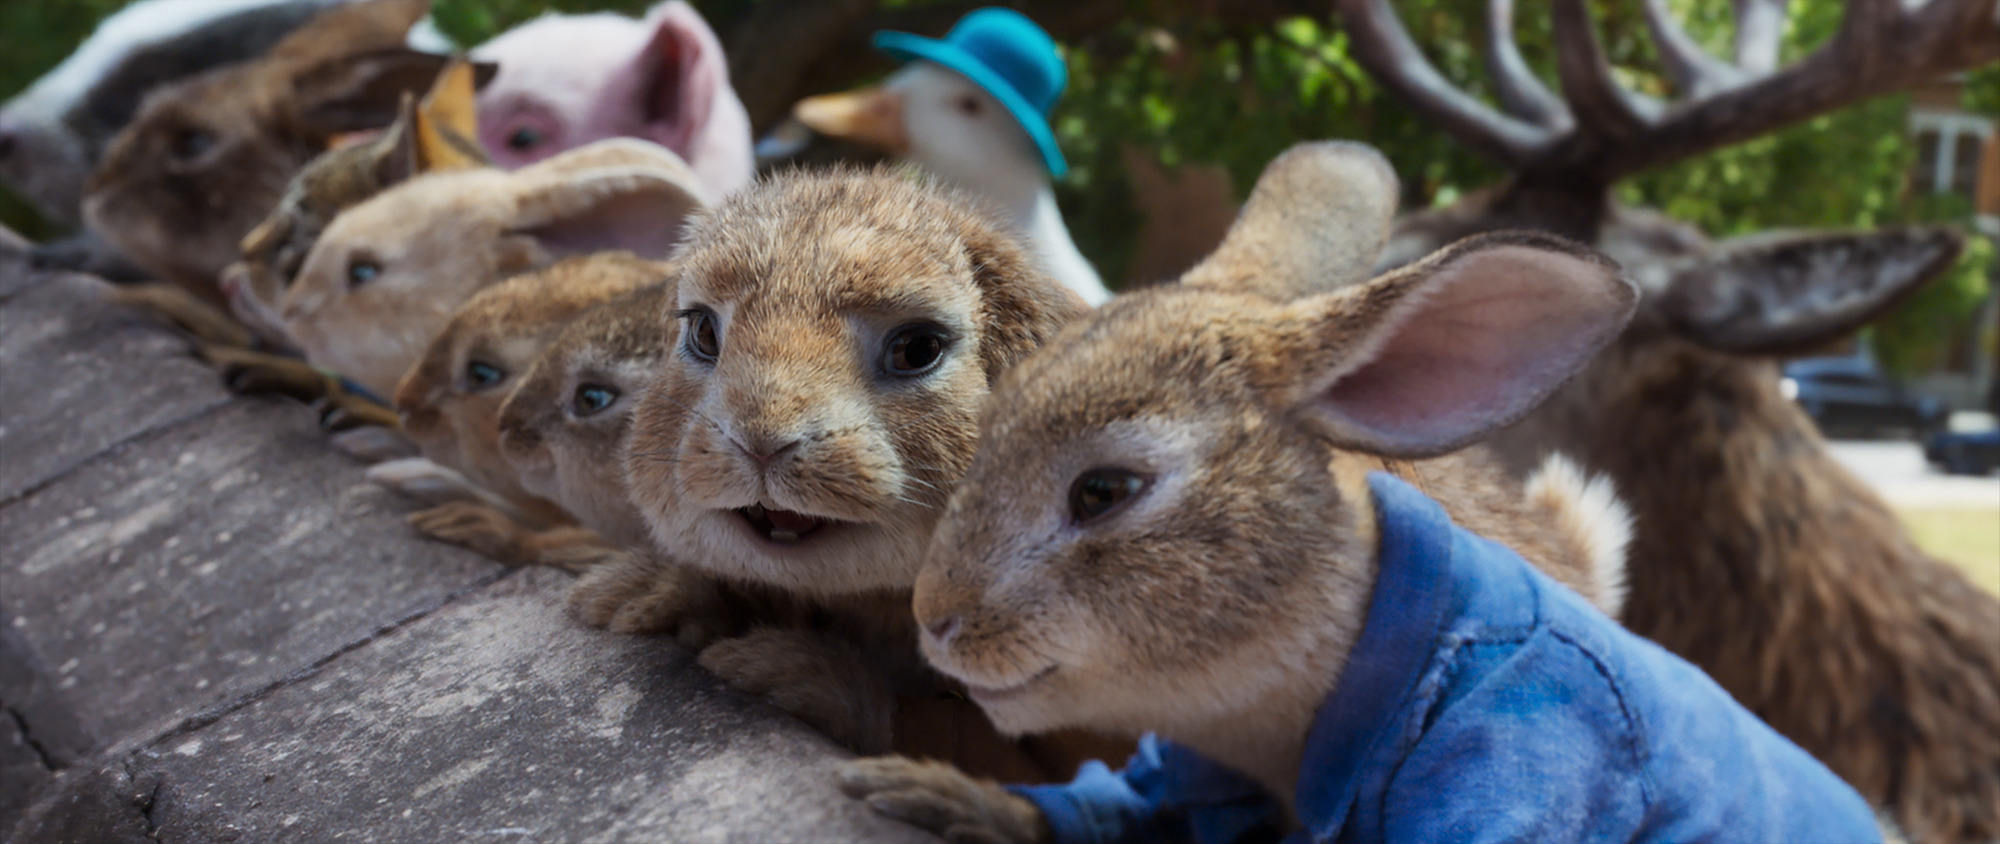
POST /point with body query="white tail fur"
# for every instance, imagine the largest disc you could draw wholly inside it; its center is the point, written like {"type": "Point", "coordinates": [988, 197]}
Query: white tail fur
{"type": "Point", "coordinates": [1588, 512]}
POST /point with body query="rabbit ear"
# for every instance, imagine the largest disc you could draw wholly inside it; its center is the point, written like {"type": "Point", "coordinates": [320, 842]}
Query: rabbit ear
{"type": "Point", "coordinates": [397, 154]}
{"type": "Point", "coordinates": [349, 29]}
{"type": "Point", "coordinates": [1315, 222]}
{"type": "Point", "coordinates": [361, 92]}
{"type": "Point", "coordinates": [1793, 293]}
{"type": "Point", "coordinates": [644, 210]}
{"type": "Point", "coordinates": [1432, 356]}
{"type": "Point", "coordinates": [1022, 307]}
{"type": "Point", "coordinates": [447, 119]}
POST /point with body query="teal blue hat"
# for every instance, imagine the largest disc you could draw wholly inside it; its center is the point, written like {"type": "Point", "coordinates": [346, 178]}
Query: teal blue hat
{"type": "Point", "coordinates": [1003, 52]}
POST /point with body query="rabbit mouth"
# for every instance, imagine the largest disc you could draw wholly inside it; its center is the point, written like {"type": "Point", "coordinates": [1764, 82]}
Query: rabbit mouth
{"type": "Point", "coordinates": [782, 527]}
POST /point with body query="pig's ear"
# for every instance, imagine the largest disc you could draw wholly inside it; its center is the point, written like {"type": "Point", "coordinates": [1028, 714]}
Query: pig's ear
{"type": "Point", "coordinates": [636, 208]}
{"type": "Point", "coordinates": [679, 76]}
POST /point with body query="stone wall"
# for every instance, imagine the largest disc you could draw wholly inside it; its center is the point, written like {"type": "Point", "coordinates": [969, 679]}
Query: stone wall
{"type": "Point", "coordinates": [212, 628]}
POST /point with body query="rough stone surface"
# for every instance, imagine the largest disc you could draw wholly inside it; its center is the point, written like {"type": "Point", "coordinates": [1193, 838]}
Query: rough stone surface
{"type": "Point", "coordinates": [22, 771]}
{"type": "Point", "coordinates": [498, 717]}
{"type": "Point", "coordinates": [206, 560]}
{"type": "Point", "coordinates": [80, 377]}
{"type": "Point", "coordinates": [212, 628]}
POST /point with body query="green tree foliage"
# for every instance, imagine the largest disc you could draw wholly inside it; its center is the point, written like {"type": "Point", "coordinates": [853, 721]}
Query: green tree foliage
{"type": "Point", "coordinates": [1206, 91]}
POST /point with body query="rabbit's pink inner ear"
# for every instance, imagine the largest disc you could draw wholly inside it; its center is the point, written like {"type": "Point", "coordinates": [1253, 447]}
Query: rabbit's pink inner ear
{"type": "Point", "coordinates": [1474, 343]}
{"type": "Point", "coordinates": [640, 210]}
{"type": "Point", "coordinates": [681, 70]}
{"type": "Point", "coordinates": [1792, 294]}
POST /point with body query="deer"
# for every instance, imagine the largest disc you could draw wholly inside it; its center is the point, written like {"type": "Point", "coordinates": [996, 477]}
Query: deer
{"type": "Point", "coordinates": [1755, 555]}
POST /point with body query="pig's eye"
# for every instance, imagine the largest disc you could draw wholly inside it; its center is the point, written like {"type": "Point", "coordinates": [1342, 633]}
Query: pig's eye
{"type": "Point", "coordinates": [524, 138]}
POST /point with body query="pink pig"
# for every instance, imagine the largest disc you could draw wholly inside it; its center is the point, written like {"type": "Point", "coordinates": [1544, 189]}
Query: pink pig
{"type": "Point", "coordinates": [568, 80]}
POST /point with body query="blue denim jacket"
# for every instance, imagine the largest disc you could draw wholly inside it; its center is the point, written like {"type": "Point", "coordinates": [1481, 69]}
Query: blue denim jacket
{"type": "Point", "coordinates": [1486, 702]}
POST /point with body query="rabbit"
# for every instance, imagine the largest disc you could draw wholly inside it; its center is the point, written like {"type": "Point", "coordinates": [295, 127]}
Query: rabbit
{"type": "Point", "coordinates": [451, 399]}
{"type": "Point", "coordinates": [206, 157]}
{"type": "Point", "coordinates": [1243, 511]}
{"type": "Point", "coordinates": [428, 136]}
{"type": "Point", "coordinates": [387, 274]}
{"type": "Point", "coordinates": [562, 428]}
{"type": "Point", "coordinates": [568, 80]}
{"type": "Point", "coordinates": [838, 331]}
{"type": "Point", "coordinates": [52, 133]}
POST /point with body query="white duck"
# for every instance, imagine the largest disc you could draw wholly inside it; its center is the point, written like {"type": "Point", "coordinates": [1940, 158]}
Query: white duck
{"type": "Point", "coordinates": [952, 121]}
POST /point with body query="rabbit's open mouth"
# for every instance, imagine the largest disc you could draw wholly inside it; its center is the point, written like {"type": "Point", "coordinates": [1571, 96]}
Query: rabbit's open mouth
{"type": "Point", "coordinates": [783, 527]}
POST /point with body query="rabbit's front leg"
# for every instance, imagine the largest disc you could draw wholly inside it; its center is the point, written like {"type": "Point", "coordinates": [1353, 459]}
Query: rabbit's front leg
{"type": "Point", "coordinates": [497, 534]}
{"type": "Point", "coordinates": [250, 371]}
{"type": "Point", "coordinates": [940, 798]}
{"type": "Point", "coordinates": [820, 679]}
{"type": "Point", "coordinates": [202, 320]}
{"type": "Point", "coordinates": [629, 592]}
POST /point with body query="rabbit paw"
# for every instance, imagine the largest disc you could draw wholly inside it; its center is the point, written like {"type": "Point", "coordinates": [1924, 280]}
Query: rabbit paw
{"type": "Point", "coordinates": [373, 445]}
{"type": "Point", "coordinates": [342, 411]}
{"type": "Point", "coordinates": [942, 799]}
{"type": "Point", "coordinates": [190, 313]}
{"type": "Point", "coordinates": [632, 593]}
{"type": "Point", "coordinates": [476, 526]}
{"type": "Point", "coordinates": [424, 481]}
{"type": "Point", "coordinates": [247, 371]}
{"type": "Point", "coordinates": [822, 681]}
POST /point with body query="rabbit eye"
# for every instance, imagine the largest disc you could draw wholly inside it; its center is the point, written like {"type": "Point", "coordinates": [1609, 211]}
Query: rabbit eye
{"type": "Point", "coordinates": [915, 349]}
{"type": "Point", "coordinates": [524, 138]}
{"type": "Point", "coordinates": [190, 144]}
{"type": "Point", "coordinates": [968, 105]}
{"type": "Point", "coordinates": [479, 376]}
{"type": "Point", "coordinates": [1100, 492]}
{"type": "Point", "coordinates": [591, 399]}
{"type": "Point", "coordinates": [702, 343]}
{"type": "Point", "coordinates": [362, 272]}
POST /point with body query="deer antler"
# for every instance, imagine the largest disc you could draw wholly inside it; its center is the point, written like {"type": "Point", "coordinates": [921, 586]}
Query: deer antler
{"type": "Point", "coordinates": [1601, 131]}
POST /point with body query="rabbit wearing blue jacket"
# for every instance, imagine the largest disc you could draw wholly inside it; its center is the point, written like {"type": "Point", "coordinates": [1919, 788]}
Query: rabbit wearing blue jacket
{"type": "Point", "coordinates": [1240, 515]}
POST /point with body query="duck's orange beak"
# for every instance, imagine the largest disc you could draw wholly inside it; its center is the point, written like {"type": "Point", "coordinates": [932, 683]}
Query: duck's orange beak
{"type": "Point", "coordinates": [872, 116]}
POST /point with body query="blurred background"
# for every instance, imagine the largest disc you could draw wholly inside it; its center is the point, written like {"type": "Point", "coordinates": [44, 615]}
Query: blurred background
{"type": "Point", "coordinates": [1185, 98]}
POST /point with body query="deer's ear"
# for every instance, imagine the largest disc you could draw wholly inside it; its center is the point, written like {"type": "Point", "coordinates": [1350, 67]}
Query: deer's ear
{"type": "Point", "coordinates": [1433, 356]}
{"type": "Point", "coordinates": [1315, 222]}
{"type": "Point", "coordinates": [1792, 293]}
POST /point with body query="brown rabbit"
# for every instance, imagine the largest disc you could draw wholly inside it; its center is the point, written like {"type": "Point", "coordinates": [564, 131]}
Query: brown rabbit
{"type": "Point", "coordinates": [208, 156]}
{"type": "Point", "coordinates": [450, 401]}
{"type": "Point", "coordinates": [1171, 525]}
{"type": "Point", "coordinates": [388, 273]}
{"type": "Point", "coordinates": [427, 136]}
{"type": "Point", "coordinates": [562, 428]}
{"type": "Point", "coordinates": [839, 332]}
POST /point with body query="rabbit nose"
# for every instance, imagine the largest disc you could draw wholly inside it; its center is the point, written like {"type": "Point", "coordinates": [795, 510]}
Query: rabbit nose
{"type": "Point", "coordinates": [943, 629]}
{"type": "Point", "coordinates": [762, 453]}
